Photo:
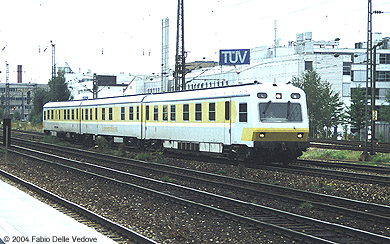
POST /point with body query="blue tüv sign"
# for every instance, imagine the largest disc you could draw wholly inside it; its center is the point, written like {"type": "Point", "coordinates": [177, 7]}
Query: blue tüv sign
{"type": "Point", "coordinates": [234, 56]}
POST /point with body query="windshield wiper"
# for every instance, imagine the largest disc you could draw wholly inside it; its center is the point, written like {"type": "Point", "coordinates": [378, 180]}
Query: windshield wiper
{"type": "Point", "coordinates": [288, 109]}
{"type": "Point", "coordinates": [266, 107]}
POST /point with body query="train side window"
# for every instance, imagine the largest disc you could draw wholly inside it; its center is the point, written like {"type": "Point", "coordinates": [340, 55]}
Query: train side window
{"type": "Point", "coordinates": [243, 112]}
{"type": "Point", "coordinates": [64, 114]}
{"type": "Point", "coordinates": [122, 113]}
{"type": "Point", "coordinates": [68, 114]}
{"type": "Point", "coordinates": [137, 112]}
{"type": "Point", "coordinates": [147, 112]}
{"type": "Point", "coordinates": [198, 112]}
{"type": "Point", "coordinates": [186, 112]}
{"type": "Point", "coordinates": [86, 114]}
{"type": "Point", "coordinates": [131, 113]}
{"type": "Point", "coordinates": [165, 112]}
{"type": "Point", "coordinates": [103, 113]}
{"type": "Point", "coordinates": [82, 114]}
{"type": "Point", "coordinates": [109, 113]}
{"type": "Point", "coordinates": [72, 114]}
{"type": "Point", "coordinates": [211, 111]}
{"type": "Point", "coordinates": [173, 112]}
{"type": "Point", "coordinates": [90, 114]}
{"type": "Point", "coordinates": [96, 114]}
{"type": "Point", "coordinates": [155, 113]}
{"type": "Point", "coordinates": [227, 110]}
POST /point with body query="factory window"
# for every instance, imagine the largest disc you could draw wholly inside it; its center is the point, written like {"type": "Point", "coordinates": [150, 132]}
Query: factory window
{"type": "Point", "coordinates": [211, 111]}
{"type": "Point", "coordinates": [155, 113]}
{"type": "Point", "coordinates": [90, 114]}
{"type": "Point", "coordinates": [131, 113]}
{"type": "Point", "coordinates": [72, 114]}
{"type": "Point", "coordinates": [227, 110]}
{"type": "Point", "coordinates": [147, 112]}
{"type": "Point", "coordinates": [109, 113]}
{"type": "Point", "coordinates": [383, 75]}
{"type": "Point", "coordinates": [86, 114]}
{"type": "Point", "coordinates": [137, 112]}
{"type": "Point", "coordinates": [347, 68]}
{"type": "Point", "coordinates": [103, 113]}
{"type": "Point", "coordinates": [165, 112]}
{"type": "Point", "coordinates": [186, 112]}
{"type": "Point", "coordinates": [384, 58]}
{"type": "Point", "coordinates": [198, 112]}
{"type": "Point", "coordinates": [173, 112]}
{"type": "Point", "coordinates": [308, 65]}
{"type": "Point", "coordinates": [243, 112]}
{"type": "Point", "coordinates": [122, 113]}
{"type": "Point", "coordinates": [96, 114]}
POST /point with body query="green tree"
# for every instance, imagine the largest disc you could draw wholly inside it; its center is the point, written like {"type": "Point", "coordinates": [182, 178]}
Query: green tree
{"type": "Point", "coordinates": [17, 115]}
{"type": "Point", "coordinates": [356, 111]}
{"type": "Point", "coordinates": [41, 97]}
{"type": "Point", "coordinates": [325, 106]}
{"type": "Point", "coordinates": [385, 109]}
{"type": "Point", "coordinates": [59, 88]}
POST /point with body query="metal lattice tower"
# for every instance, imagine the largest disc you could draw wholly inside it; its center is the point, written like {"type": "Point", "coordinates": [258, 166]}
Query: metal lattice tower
{"type": "Point", "coordinates": [180, 62]}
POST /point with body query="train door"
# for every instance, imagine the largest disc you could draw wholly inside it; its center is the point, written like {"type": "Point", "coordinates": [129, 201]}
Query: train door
{"type": "Point", "coordinates": [96, 119]}
{"type": "Point", "coordinates": [228, 123]}
{"type": "Point", "coordinates": [144, 116]}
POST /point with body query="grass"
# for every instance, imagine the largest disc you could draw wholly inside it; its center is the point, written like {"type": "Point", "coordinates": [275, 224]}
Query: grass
{"type": "Point", "coordinates": [28, 126]}
{"type": "Point", "coordinates": [380, 159]}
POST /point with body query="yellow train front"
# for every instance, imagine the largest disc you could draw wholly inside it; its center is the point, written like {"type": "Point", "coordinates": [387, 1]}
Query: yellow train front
{"type": "Point", "coordinates": [252, 122]}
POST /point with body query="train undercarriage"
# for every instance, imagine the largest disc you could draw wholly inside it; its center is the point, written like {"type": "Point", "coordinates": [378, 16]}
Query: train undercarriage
{"type": "Point", "coordinates": [261, 153]}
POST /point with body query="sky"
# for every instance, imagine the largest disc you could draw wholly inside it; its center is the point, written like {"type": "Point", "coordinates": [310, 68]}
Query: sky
{"type": "Point", "coordinates": [126, 35]}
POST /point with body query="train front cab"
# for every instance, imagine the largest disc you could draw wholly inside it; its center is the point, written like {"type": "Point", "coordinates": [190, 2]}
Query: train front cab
{"type": "Point", "coordinates": [281, 131]}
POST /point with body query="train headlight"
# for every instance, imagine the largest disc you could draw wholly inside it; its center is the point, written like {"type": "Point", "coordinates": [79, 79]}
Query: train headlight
{"type": "Point", "coordinates": [295, 95]}
{"type": "Point", "coordinates": [262, 135]}
{"type": "Point", "coordinates": [278, 95]}
{"type": "Point", "coordinates": [300, 135]}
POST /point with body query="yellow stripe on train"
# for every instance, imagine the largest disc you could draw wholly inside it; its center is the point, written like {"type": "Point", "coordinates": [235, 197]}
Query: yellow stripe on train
{"type": "Point", "coordinates": [275, 134]}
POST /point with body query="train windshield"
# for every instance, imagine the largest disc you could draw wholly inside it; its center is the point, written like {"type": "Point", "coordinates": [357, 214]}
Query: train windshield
{"type": "Point", "coordinates": [271, 112]}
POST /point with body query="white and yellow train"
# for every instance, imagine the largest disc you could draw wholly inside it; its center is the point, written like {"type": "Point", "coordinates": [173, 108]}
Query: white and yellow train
{"type": "Point", "coordinates": [256, 122]}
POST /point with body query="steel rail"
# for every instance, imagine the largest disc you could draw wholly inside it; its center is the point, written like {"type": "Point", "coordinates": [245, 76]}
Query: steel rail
{"type": "Point", "coordinates": [125, 232]}
{"type": "Point", "coordinates": [369, 211]}
{"type": "Point", "coordinates": [304, 227]}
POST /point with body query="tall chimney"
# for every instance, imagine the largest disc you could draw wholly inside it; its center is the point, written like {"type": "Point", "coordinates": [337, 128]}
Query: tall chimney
{"type": "Point", "coordinates": [19, 73]}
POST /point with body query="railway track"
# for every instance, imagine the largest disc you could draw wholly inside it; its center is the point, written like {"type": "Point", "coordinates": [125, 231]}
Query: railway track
{"type": "Point", "coordinates": [344, 165]}
{"type": "Point", "coordinates": [349, 145]}
{"type": "Point", "coordinates": [252, 214]}
{"type": "Point", "coordinates": [113, 230]}
{"type": "Point", "coordinates": [329, 173]}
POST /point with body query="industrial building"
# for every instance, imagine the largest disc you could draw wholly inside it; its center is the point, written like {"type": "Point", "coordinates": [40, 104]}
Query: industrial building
{"type": "Point", "coordinates": [343, 68]}
{"type": "Point", "coordinates": [20, 98]}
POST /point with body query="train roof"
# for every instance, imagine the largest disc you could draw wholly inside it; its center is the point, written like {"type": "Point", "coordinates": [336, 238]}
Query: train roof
{"type": "Point", "coordinates": [218, 92]}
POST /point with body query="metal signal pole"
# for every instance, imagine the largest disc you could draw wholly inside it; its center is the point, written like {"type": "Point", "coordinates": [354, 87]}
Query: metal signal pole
{"type": "Point", "coordinates": [53, 59]}
{"type": "Point", "coordinates": [180, 62]}
{"type": "Point", "coordinates": [7, 98]}
{"type": "Point", "coordinates": [368, 75]}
